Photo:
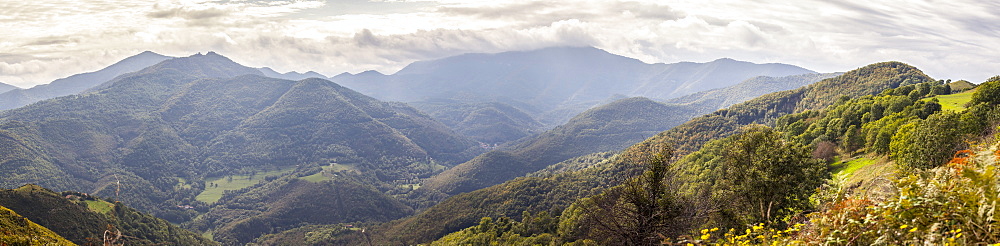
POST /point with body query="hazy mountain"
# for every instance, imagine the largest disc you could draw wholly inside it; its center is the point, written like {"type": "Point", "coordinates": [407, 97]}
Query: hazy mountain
{"type": "Point", "coordinates": [6, 87]}
{"type": "Point", "coordinates": [167, 128]}
{"type": "Point", "coordinates": [490, 123]}
{"type": "Point", "coordinates": [721, 98]}
{"type": "Point", "coordinates": [610, 127]}
{"type": "Point", "coordinates": [554, 84]}
{"type": "Point", "coordinates": [77, 83]}
{"type": "Point", "coordinates": [293, 75]}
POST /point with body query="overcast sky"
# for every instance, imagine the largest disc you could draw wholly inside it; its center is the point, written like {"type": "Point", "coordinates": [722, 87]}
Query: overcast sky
{"type": "Point", "coordinates": [48, 39]}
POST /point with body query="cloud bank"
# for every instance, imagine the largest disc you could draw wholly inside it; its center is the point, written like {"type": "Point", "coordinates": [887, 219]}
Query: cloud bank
{"type": "Point", "coordinates": [49, 39]}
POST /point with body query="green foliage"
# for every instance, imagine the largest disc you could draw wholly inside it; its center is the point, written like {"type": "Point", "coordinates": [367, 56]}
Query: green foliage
{"type": "Point", "coordinates": [317, 235]}
{"type": "Point", "coordinates": [638, 212]}
{"type": "Point", "coordinates": [290, 202]}
{"type": "Point", "coordinates": [948, 205]}
{"type": "Point", "coordinates": [765, 179]}
{"type": "Point", "coordinates": [927, 143]}
{"type": "Point", "coordinates": [987, 92]}
{"type": "Point", "coordinates": [531, 230]}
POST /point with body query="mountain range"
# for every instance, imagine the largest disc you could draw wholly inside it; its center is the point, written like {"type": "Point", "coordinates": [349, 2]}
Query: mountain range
{"type": "Point", "coordinates": [550, 85]}
{"type": "Point", "coordinates": [165, 129]}
{"type": "Point", "coordinates": [533, 140]}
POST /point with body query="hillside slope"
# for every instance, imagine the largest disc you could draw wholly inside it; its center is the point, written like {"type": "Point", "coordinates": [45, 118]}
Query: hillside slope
{"type": "Point", "coordinates": [82, 218]}
{"type": "Point", "coordinates": [18, 230]}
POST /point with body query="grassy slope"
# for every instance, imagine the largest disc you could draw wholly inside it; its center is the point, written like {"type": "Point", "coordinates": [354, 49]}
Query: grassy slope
{"type": "Point", "coordinates": [214, 193]}
{"type": "Point", "coordinates": [955, 102]}
{"type": "Point", "coordinates": [18, 230]}
{"type": "Point", "coordinates": [846, 169]}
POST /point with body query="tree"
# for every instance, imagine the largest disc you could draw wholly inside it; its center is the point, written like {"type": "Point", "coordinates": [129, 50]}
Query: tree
{"type": "Point", "coordinates": [764, 178]}
{"type": "Point", "coordinates": [927, 143]}
{"type": "Point", "coordinates": [987, 92]}
{"type": "Point", "coordinates": [852, 139]}
{"type": "Point", "coordinates": [638, 212]}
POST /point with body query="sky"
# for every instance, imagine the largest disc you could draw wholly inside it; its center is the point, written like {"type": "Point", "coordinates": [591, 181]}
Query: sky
{"type": "Point", "coordinates": [44, 40]}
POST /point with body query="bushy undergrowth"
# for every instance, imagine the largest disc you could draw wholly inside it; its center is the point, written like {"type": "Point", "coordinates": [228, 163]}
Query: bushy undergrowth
{"type": "Point", "coordinates": [954, 204]}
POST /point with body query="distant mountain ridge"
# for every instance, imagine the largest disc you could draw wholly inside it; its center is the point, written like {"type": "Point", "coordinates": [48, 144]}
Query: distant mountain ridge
{"type": "Point", "coordinates": [78, 83]}
{"type": "Point", "coordinates": [549, 79]}
{"type": "Point", "coordinates": [6, 87]}
{"type": "Point", "coordinates": [551, 85]}
{"type": "Point", "coordinates": [610, 127]}
{"type": "Point", "coordinates": [293, 75]}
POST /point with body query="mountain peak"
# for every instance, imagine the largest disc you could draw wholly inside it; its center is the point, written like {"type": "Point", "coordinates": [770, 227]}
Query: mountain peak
{"type": "Point", "coordinates": [369, 73]}
{"type": "Point", "coordinates": [148, 53]}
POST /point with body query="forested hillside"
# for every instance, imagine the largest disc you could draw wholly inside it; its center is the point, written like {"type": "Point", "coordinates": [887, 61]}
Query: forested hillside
{"type": "Point", "coordinates": [83, 219]}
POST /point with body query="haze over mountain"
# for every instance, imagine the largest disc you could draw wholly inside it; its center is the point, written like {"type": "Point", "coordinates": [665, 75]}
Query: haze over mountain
{"type": "Point", "coordinates": [6, 87]}
{"type": "Point", "coordinates": [552, 84]}
{"type": "Point", "coordinates": [78, 83]}
{"type": "Point", "coordinates": [293, 75]}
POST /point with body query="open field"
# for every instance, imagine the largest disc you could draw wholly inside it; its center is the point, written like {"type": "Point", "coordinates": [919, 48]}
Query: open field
{"type": "Point", "coordinates": [954, 102]}
{"type": "Point", "coordinates": [213, 193]}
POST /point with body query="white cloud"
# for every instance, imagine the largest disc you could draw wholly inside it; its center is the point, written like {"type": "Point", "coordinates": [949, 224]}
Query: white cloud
{"type": "Point", "coordinates": [49, 39]}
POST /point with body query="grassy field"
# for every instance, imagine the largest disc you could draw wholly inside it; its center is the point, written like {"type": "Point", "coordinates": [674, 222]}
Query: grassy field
{"type": "Point", "coordinates": [954, 102]}
{"type": "Point", "coordinates": [99, 206]}
{"type": "Point", "coordinates": [844, 170]}
{"type": "Point", "coordinates": [328, 172]}
{"type": "Point", "coordinates": [213, 193]}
